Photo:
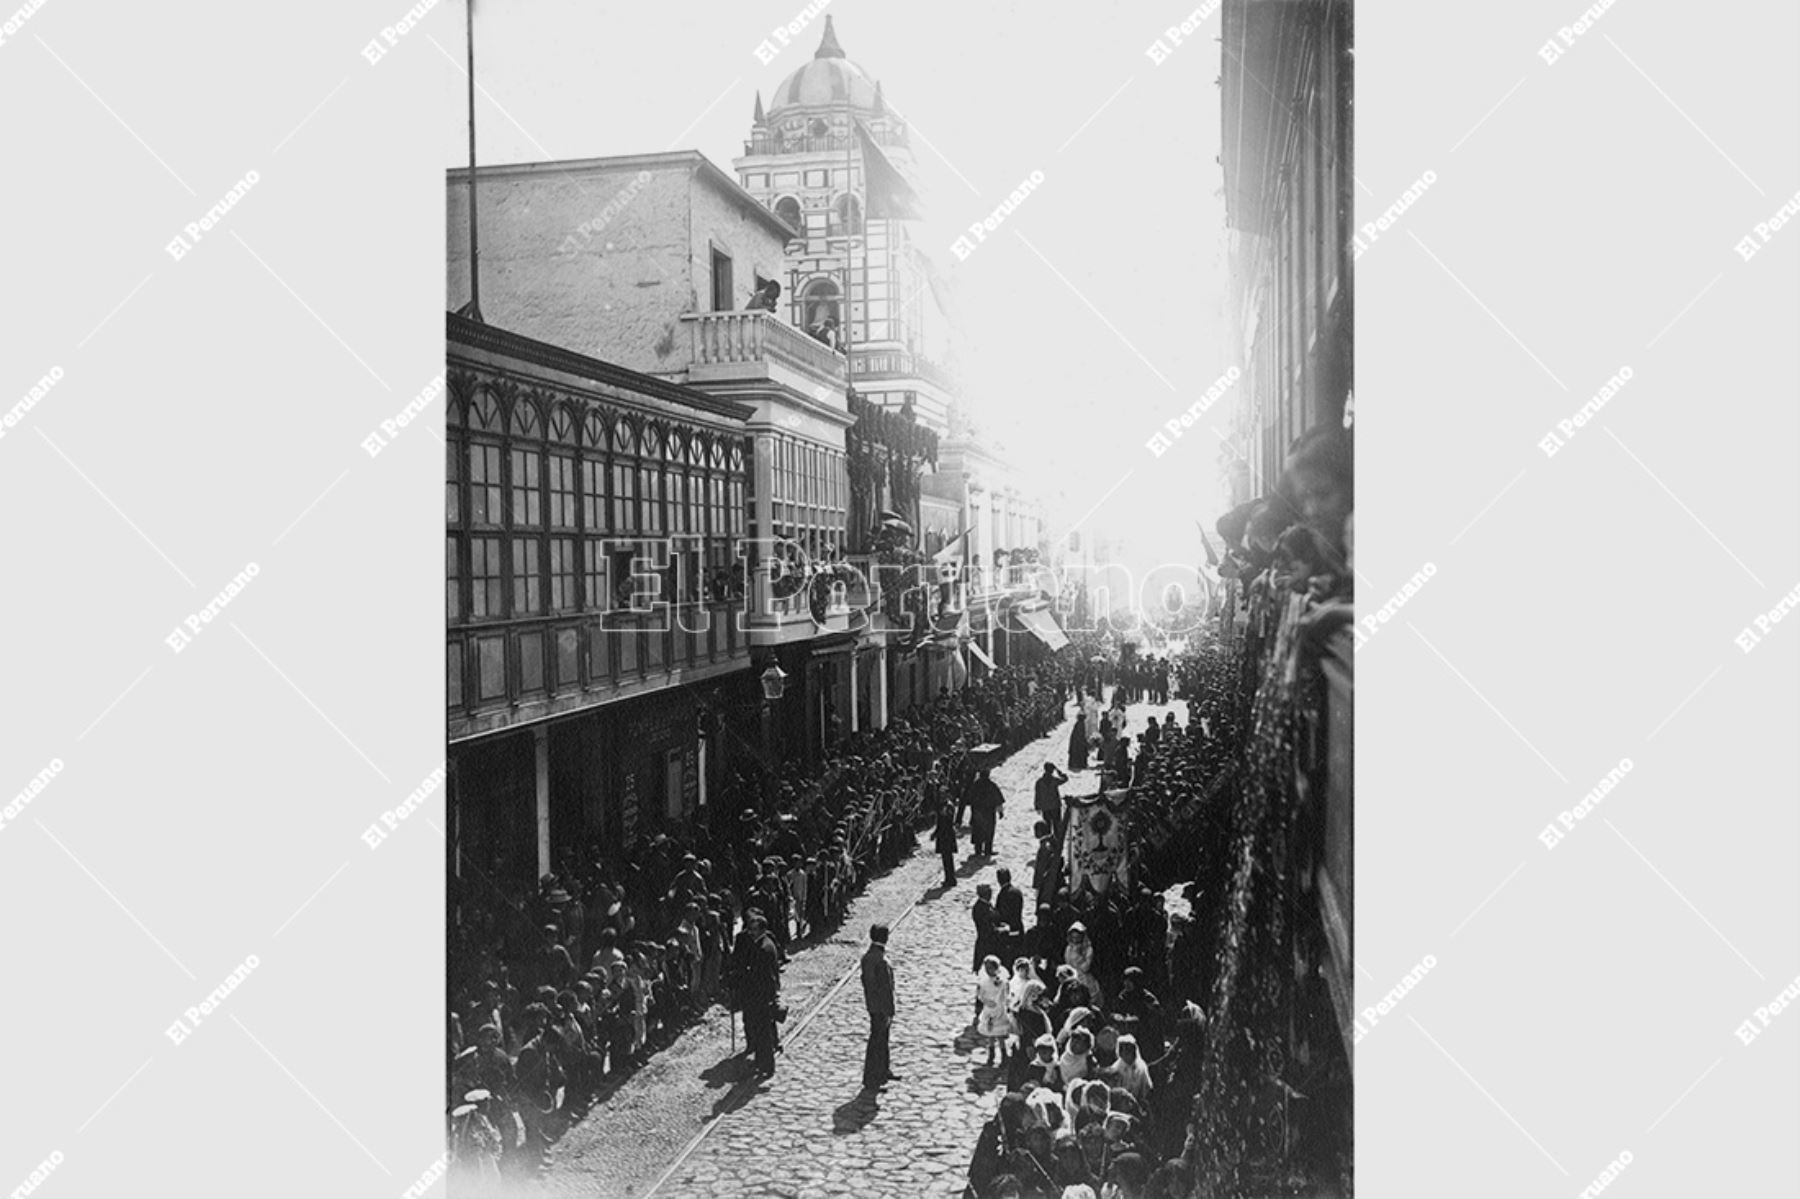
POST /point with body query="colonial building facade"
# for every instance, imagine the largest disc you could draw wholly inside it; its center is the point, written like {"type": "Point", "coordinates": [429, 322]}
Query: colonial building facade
{"type": "Point", "coordinates": [1289, 163]}
{"type": "Point", "coordinates": [653, 482]}
{"type": "Point", "coordinates": [594, 651]}
{"type": "Point", "coordinates": [1290, 213]}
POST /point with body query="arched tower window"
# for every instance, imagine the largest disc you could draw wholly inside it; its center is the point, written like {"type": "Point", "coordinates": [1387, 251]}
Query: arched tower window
{"type": "Point", "coordinates": [818, 301]}
{"type": "Point", "coordinates": [788, 209]}
{"type": "Point", "coordinates": [846, 215]}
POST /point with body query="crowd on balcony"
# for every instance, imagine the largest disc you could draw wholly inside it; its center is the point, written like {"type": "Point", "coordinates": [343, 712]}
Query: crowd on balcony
{"type": "Point", "coordinates": [1300, 538]}
{"type": "Point", "coordinates": [1123, 1031]}
{"type": "Point", "coordinates": [557, 996]}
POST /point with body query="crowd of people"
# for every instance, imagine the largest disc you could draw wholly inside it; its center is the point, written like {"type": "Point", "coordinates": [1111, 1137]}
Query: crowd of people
{"type": "Point", "coordinates": [1089, 1010]}
{"type": "Point", "coordinates": [1135, 677]}
{"type": "Point", "coordinates": [556, 994]}
{"type": "Point", "coordinates": [1109, 1013]}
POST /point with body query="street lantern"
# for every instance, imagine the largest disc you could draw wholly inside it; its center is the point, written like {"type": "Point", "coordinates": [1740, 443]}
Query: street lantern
{"type": "Point", "coordinates": [774, 681]}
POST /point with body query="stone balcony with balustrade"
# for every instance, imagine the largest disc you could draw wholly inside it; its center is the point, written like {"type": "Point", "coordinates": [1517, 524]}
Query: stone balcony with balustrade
{"type": "Point", "coordinates": [759, 349]}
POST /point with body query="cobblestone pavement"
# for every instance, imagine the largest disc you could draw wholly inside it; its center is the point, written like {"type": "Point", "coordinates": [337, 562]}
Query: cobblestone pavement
{"type": "Point", "coordinates": [811, 1131]}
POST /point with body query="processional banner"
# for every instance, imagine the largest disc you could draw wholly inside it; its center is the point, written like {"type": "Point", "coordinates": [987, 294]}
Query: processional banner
{"type": "Point", "coordinates": [1097, 841]}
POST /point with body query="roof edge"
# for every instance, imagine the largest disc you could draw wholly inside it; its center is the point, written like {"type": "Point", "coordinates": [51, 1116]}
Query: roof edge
{"type": "Point", "coordinates": [460, 330]}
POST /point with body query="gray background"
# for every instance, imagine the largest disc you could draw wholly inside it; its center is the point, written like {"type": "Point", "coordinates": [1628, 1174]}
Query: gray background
{"type": "Point", "coordinates": [1583, 607]}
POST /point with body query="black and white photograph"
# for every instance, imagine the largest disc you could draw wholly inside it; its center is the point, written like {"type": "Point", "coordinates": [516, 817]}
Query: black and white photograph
{"type": "Point", "coordinates": [764, 600]}
{"type": "Point", "coordinates": [899, 605]}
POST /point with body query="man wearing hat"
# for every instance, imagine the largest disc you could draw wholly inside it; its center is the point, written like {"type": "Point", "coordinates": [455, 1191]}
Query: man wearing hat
{"type": "Point", "coordinates": [766, 897]}
{"type": "Point", "coordinates": [1048, 798]}
{"type": "Point", "coordinates": [987, 934]}
{"type": "Point", "coordinates": [756, 985]}
{"type": "Point", "coordinates": [986, 804]}
{"type": "Point", "coordinates": [485, 1064]}
{"type": "Point", "coordinates": [1009, 917]}
{"type": "Point", "coordinates": [539, 1074]}
{"type": "Point", "coordinates": [687, 885]}
{"type": "Point", "coordinates": [556, 968]}
{"type": "Point", "coordinates": [878, 997]}
{"type": "Point", "coordinates": [944, 840]}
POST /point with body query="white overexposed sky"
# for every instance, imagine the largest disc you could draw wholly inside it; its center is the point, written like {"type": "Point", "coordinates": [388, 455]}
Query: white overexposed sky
{"type": "Point", "coordinates": [1096, 312]}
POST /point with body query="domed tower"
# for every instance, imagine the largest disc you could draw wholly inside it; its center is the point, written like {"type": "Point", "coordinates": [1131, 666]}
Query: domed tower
{"type": "Point", "coordinates": [803, 161]}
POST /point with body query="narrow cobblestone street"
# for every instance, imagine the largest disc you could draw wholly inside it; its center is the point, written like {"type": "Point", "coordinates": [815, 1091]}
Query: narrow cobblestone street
{"type": "Point", "coordinates": [811, 1131]}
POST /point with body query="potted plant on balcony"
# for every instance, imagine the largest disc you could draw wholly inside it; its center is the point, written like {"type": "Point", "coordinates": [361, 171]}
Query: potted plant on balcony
{"type": "Point", "coordinates": [825, 577]}
{"type": "Point", "coordinates": [793, 574]}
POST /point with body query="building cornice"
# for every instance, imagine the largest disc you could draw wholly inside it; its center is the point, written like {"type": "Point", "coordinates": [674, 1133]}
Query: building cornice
{"type": "Point", "coordinates": [461, 331]}
{"type": "Point", "coordinates": [692, 161]}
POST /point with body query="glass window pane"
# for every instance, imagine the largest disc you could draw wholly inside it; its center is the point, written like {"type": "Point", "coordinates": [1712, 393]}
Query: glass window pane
{"type": "Point", "coordinates": [452, 484]}
{"type": "Point", "coordinates": [484, 484]}
{"type": "Point", "coordinates": [562, 574]}
{"type": "Point", "coordinates": [593, 574]}
{"type": "Point", "coordinates": [527, 488]}
{"type": "Point", "coordinates": [452, 582]}
{"type": "Point", "coordinates": [593, 494]}
{"type": "Point", "coordinates": [484, 575]}
{"type": "Point", "coordinates": [528, 597]}
{"type": "Point", "coordinates": [562, 491]}
{"type": "Point", "coordinates": [624, 493]}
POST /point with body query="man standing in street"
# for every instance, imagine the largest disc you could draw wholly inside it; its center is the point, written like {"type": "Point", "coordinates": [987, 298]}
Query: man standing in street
{"type": "Point", "coordinates": [878, 997]}
{"type": "Point", "coordinates": [944, 840]}
{"type": "Point", "coordinates": [1048, 799]}
{"type": "Point", "coordinates": [986, 805]}
{"type": "Point", "coordinates": [756, 982]}
{"type": "Point", "coordinates": [1009, 916]}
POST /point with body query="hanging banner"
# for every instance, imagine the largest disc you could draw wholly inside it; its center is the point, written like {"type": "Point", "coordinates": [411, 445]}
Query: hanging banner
{"type": "Point", "coordinates": [1097, 844]}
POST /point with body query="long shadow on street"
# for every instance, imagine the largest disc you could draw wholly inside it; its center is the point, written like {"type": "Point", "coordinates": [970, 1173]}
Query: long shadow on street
{"type": "Point", "coordinates": [854, 1115]}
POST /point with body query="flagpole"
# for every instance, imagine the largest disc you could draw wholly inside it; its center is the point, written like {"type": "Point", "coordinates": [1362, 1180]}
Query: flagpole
{"type": "Point", "coordinates": [473, 311]}
{"type": "Point", "coordinates": [849, 241]}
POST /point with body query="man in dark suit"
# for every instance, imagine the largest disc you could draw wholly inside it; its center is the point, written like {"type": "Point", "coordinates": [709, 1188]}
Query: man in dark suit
{"type": "Point", "coordinates": [944, 839]}
{"type": "Point", "coordinates": [756, 984]}
{"type": "Point", "coordinates": [1048, 797]}
{"type": "Point", "coordinates": [986, 805]}
{"type": "Point", "coordinates": [987, 939]}
{"type": "Point", "coordinates": [1009, 918]}
{"type": "Point", "coordinates": [878, 997]}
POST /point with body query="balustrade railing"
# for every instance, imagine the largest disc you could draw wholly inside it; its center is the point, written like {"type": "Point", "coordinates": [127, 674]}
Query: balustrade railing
{"type": "Point", "coordinates": [751, 338]}
{"type": "Point", "coordinates": [777, 143]}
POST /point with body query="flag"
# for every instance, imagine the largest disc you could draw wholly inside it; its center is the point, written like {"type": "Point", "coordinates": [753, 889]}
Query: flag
{"type": "Point", "coordinates": [1212, 559]}
{"type": "Point", "coordinates": [941, 293]}
{"type": "Point", "coordinates": [887, 194]}
{"type": "Point", "coordinates": [949, 552]}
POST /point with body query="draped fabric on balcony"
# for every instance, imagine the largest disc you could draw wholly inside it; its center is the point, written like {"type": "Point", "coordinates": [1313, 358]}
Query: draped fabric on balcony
{"type": "Point", "coordinates": [885, 451]}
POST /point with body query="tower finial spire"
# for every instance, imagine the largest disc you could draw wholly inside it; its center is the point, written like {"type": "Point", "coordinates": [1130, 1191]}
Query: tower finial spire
{"type": "Point", "coordinates": [828, 45]}
{"type": "Point", "coordinates": [758, 118]}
